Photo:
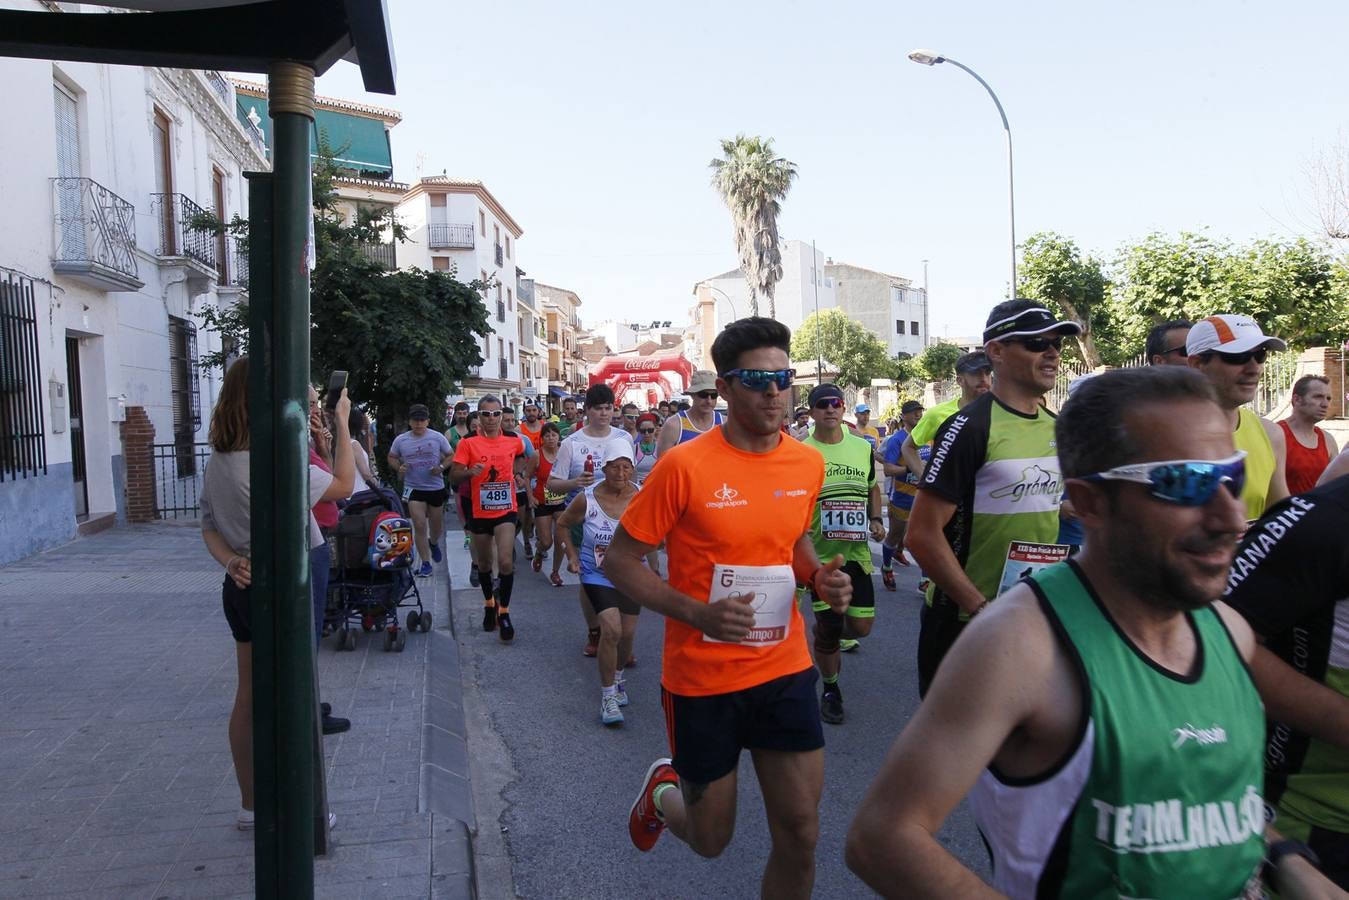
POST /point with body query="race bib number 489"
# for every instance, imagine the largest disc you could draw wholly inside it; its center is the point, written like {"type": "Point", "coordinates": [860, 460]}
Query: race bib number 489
{"type": "Point", "coordinates": [495, 496]}
{"type": "Point", "coordinates": [843, 520]}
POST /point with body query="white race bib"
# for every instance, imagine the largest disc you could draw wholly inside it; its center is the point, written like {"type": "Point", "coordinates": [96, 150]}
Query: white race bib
{"type": "Point", "coordinates": [843, 520]}
{"type": "Point", "coordinates": [1025, 559]}
{"type": "Point", "coordinates": [495, 496]}
{"type": "Point", "coordinates": [771, 590]}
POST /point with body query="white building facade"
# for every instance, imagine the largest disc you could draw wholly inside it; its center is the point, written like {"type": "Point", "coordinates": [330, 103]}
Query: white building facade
{"type": "Point", "coordinates": [887, 305]}
{"type": "Point", "coordinates": [804, 288]}
{"type": "Point", "coordinates": [104, 276]}
{"type": "Point", "coordinates": [456, 225]}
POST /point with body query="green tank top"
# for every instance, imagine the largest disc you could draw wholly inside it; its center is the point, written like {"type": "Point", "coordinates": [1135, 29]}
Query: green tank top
{"type": "Point", "coordinates": [1260, 463]}
{"type": "Point", "coordinates": [1162, 796]}
{"type": "Point", "coordinates": [841, 523]}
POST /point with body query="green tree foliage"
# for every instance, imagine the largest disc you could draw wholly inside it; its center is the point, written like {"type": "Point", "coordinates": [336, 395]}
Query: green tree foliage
{"type": "Point", "coordinates": [938, 361]}
{"type": "Point", "coordinates": [1054, 271]}
{"type": "Point", "coordinates": [1292, 288]}
{"type": "Point", "coordinates": [404, 337]}
{"type": "Point", "coordinates": [858, 353]}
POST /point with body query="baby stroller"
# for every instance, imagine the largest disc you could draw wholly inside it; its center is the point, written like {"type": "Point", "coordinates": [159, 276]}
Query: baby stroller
{"type": "Point", "coordinates": [372, 571]}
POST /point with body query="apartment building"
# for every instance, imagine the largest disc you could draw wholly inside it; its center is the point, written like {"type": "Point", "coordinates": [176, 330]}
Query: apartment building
{"type": "Point", "coordinates": [457, 225]}
{"type": "Point", "coordinates": [887, 305]}
{"type": "Point", "coordinates": [567, 371]}
{"type": "Point", "coordinates": [105, 272]}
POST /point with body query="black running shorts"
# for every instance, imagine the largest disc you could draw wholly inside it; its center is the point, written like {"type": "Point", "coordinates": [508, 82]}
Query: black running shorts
{"type": "Point", "coordinates": [863, 602]}
{"type": "Point", "coordinates": [488, 526]}
{"type": "Point", "coordinates": [238, 604]}
{"type": "Point", "coordinates": [939, 627]}
{"type": "Point", "coordinates": [435, 498]}
{"type": "Point", "coordinates": [707, 733]}
{"type": "Point", "coordinates": [603, 597]}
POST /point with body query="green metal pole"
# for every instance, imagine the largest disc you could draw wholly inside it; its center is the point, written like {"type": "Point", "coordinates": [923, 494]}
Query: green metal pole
{"type": "Point", "coordinates": [284, 711]}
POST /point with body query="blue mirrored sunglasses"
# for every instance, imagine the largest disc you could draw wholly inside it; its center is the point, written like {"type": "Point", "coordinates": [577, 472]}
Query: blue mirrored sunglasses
{"type": "Point", "coordinates": [760, 379]}
{"type": "Point", "coordinates": [1184, 482]}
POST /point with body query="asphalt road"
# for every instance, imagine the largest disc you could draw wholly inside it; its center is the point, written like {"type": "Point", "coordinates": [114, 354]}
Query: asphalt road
{"type": "Point", "coordinates": [553, 786]}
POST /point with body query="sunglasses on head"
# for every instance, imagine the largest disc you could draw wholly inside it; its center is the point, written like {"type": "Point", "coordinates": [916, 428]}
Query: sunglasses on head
{"type": "Point", "coordinates": [760, 379]}
{"type": "Point", "coordinates": [829, 403]}
{"type": "Point", "coordinates": [1037, 344]}
{"type": "Point", "coordinates": [1237, 359]}
{"type": "Point", "coordinates": [706, 395]}
{"type": "Point", "coordinates": [1184, 482]}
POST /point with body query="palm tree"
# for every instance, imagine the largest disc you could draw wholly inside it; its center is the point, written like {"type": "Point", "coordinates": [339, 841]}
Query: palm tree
{"type": "Point", "coordinates": [753, 182]}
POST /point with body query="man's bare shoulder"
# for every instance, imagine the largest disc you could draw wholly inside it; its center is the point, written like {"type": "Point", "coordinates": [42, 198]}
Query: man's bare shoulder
{"type": "Point", "coordinates": [1010, 636]}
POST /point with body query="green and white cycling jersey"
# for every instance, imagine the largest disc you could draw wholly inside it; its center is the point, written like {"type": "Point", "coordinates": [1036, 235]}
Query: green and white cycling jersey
{"type": "Point", "coordinates": [1290, 579]}
{"type": "Point", "coordinates": [1000, 469]}
{"type": "Point", "coordinates": [1161, 797]}
{"type": "Point", "coordinates": [841, 523]}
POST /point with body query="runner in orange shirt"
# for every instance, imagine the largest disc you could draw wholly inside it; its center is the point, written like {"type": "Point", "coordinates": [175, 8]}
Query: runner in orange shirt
{"type": "Point", "coordinates": [735, 509]}
{"type": "Point", "coordinates": [489, 461]}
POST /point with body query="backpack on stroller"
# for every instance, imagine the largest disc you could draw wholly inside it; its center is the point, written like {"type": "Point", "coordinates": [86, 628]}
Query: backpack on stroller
{"type": "Point", "coordinates": [372, 571]}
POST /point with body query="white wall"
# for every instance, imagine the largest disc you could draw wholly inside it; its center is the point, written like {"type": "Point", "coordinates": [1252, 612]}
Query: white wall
{"type": "Point", "coordinates": [123, 335]}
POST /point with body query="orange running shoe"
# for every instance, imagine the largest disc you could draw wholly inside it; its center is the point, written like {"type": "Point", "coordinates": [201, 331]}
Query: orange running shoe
{"type": "Point", "coordinates": [644, 822]}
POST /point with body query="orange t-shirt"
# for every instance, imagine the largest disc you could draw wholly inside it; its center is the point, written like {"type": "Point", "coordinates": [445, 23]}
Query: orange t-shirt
{"type": "Point", "coordinates": [534, 437]}
{"type": "Point", "coordinates": [492, 493]}
{"type": "Point", "coordinates": [714, 504]}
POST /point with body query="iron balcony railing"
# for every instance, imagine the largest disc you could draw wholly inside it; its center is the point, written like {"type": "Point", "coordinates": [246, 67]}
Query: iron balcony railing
{"type": "Point", "coordinates": [552, 337]}
{"type": "Point", "coordinates": [184, 228]}
{"type": "Point", "coordinates": [501, 256]}
{"type": "Point", "coordinates": [94, 226]}
{"type": "Point", "coordinates": [441, 236]}
{"type": "Point", "coordinates": [237, 271]}
{"type": "Point", "coordinates": [475, 371]}
{"type": "Point", "coordinates": [382, 254]}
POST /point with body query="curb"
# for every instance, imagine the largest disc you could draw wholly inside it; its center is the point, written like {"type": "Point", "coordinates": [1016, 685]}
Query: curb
{"type": "Point", "coordinates": [445, 790]}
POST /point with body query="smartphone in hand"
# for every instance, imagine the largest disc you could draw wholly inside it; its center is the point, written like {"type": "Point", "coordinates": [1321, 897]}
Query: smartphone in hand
{"type": "Point", "coordinates": [336, 382]}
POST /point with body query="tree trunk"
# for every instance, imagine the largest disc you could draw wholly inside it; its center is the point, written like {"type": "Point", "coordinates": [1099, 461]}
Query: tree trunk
{"type": "Point", "coordinates": [753, 302]}
{"type": "Point", "coordinates": [1086, 344]}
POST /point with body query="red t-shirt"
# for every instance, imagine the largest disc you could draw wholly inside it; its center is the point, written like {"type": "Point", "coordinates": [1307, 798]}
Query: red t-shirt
{"type": "Point", "coordinates": [492, 492]}
{"type": "Point", "coordinates": [1304, 464]}
{"type": "Point", "coordinates": [714, 504]}
{"type": "Point", "coordinates": [325, 511]}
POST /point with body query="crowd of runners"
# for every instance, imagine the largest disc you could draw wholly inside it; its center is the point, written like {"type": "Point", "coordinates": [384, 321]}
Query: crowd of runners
{"type": "Point", "coordinates": [1134, 643]}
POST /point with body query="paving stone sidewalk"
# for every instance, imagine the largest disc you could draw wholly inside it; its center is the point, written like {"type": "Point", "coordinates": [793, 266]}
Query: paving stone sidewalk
{"type": "Point", "coordinates": [117, 674]}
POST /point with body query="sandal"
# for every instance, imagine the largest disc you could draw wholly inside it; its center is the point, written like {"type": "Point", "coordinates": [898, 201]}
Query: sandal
{"type": "Point", "coordinates": [537, 563]}
{"type": "Point", "coordinates": [556, 579]}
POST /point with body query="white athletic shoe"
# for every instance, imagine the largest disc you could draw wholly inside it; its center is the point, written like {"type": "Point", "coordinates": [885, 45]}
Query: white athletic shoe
{"type": "Point", "coordinates": [610, 714]}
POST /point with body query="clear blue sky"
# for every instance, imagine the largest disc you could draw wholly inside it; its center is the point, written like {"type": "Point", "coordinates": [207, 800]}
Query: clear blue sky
{"type": "Point", "coordinates": [593, 123]}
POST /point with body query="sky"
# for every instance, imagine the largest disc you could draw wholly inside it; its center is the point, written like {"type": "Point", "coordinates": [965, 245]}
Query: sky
{"type": "Point", "coordinates": [594, 124]}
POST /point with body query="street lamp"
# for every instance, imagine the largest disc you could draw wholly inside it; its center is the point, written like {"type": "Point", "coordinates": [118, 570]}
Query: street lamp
{"type": "Point", "coordinates": [731, 303]}
{"type": "Point", "coordinates": [928, 58]}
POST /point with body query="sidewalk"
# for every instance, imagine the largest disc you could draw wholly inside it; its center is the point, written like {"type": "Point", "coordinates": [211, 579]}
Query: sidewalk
{"type": "Point", "coordinates": [117, 674]}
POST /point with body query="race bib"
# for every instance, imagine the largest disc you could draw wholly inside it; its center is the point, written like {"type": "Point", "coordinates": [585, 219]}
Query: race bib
{"type": "Point", "coordinates": [843, 520]}
{"type": "Point", "coordinates": [407, 491]}
{"type": "Point", "coordinates": [771, 590]}
{"type": "Point", "coordinates": [495, 496]}
{"type": "Point", "coordinates": [600, 550]}
{"type": "Point", "coordinates": [551, 499]}
{"type": "Point", "coordinates": [1025, 559]}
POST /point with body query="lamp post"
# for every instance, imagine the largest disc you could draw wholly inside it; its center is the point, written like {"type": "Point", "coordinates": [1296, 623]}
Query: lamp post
{"type": "Point", "coordinates": [729, 301]}
{"type": "Point", "coordinates": [928, 58]}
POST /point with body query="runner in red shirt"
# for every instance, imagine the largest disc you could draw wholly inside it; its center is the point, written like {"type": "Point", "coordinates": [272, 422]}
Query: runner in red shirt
{"type": "Point", "coordinates": [1310, 449]}
{"type": "Point", "coordinates": [488, 462]}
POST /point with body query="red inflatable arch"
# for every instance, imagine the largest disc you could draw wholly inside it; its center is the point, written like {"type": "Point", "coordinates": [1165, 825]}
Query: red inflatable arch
{"type": "Point", "coordinates": [659, 377]}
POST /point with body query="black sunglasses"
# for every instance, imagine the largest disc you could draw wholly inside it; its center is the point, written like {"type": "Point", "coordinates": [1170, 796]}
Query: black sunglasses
{"type": "Point", "coordinates": [1037, 344]}
{"type": "Point", "coordinates": [706, 395]}
{"type": "Point", "coordinates": [646, 431]}
{"type": "Point", "coordinates": [1237, 359]}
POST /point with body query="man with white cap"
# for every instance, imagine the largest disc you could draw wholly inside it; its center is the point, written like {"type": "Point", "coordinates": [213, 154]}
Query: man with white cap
{"type": "Point", "coordinates": [993, 480]}
{"type": "Point", "coordinates": [700, 417]}
{"type": "Point", "coordinates": [1230, 350]}
{"type": "Point", "coordinates": [597, 510]}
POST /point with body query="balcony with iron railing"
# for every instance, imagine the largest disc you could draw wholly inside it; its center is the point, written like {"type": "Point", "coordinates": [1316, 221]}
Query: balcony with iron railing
{"type": "Point", "coordinates": [441, 236]}
{"type": "Point", "coordinates": [186, 234]}
{"type": "Point", "coordinates": [553, 338]}
{"type": "Point", "coordinates": [381, 253]}
{"type": "Point", "coordinates": [554, 375]}
{"type": "Point", "coordinates": [475, 371]}
{"type": "Point", "coordinates": [95, 235]}
{"type": "Point", "coordinates": [235, 273]}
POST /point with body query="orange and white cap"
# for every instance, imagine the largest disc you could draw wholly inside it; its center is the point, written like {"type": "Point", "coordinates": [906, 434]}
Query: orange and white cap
{"type": "Point", "coordinates": [1229, 334]}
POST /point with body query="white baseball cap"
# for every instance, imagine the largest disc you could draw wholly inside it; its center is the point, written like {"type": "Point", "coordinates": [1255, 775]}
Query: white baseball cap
{"type": "Point", "coordinates": [619, 448]}
{"type": "Point", "coordinates": [1229, 334]}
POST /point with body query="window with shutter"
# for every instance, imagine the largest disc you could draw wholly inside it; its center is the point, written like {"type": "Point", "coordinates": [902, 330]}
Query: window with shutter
{"type": "Point", "coordinates": [185, 389]}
